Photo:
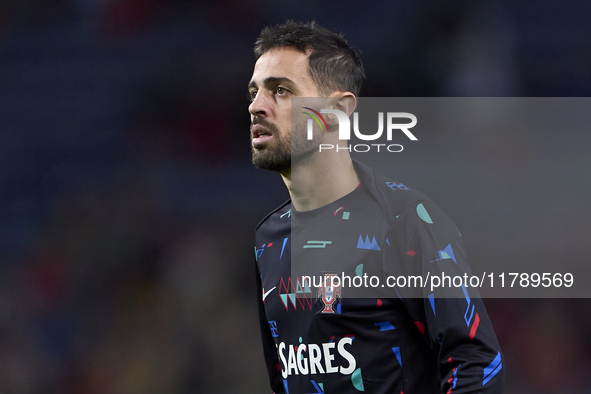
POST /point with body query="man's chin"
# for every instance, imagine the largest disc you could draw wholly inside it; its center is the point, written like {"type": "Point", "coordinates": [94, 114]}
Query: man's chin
{"type": "Point", "coordinates": [264, 163]}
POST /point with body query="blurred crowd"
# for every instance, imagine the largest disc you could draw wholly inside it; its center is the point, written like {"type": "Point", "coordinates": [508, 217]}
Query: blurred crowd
{"type": "Point", "coordinates": [128, 201]}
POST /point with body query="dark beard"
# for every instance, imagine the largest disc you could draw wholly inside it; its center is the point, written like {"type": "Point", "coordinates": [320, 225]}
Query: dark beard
{"type": "Point", "coordinates": [272, 159]}
{"type": "Point", "coordinates": [283, 156]}
{"type": "Point", "coordinates": [277, 158]}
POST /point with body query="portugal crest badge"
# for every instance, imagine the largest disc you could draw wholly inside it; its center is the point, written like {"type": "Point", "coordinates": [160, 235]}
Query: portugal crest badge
{"type": "Point", "coordinates": [330, 293]}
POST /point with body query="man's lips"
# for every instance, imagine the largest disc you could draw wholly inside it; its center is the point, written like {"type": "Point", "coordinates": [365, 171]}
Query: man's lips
{"type": "Point", "coordinates": [260, 134]}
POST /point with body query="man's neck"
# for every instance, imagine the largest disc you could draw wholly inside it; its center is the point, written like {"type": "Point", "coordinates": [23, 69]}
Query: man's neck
{"type": "Point", "coordinates": [320, 181]}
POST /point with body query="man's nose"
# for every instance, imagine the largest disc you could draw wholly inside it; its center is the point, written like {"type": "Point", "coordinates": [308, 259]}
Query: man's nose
{"type": "Point", "coordinates": [260, 105]}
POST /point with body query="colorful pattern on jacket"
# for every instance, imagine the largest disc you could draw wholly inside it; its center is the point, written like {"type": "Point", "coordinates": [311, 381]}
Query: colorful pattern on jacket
{"type": "Point", "coordinates": [328, 340]}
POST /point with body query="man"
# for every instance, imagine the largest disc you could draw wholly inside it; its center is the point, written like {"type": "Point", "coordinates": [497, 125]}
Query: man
{"type": "Point", "coordinates": [344, 218]}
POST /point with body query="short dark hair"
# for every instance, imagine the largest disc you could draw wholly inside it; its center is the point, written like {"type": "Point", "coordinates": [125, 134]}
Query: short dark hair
{"type": "Point", "coordinates": [333, 63]}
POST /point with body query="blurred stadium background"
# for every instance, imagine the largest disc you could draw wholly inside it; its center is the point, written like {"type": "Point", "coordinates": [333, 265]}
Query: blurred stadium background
{"type": "Point", "coordinates": [128, 202]}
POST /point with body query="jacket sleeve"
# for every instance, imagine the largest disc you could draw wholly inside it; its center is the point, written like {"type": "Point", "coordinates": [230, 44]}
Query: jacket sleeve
{"type": "Point", "coordinates": [269, 348]}
{"type": "Point", "coordinates": [455, 323]}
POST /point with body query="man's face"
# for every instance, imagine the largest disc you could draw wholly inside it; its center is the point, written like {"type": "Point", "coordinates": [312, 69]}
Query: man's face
{"type": "Point", "coordinates": [279, 75]}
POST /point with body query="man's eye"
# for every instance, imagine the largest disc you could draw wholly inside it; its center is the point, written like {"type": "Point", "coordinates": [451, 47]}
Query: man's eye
{"type": "Point", "coordinates": [252, 94]}
{"type": "Point", "coordinates": [281, 90]}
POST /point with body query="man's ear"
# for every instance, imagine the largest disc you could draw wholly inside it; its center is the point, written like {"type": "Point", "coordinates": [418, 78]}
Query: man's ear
{"type": "Point", "coordinates": [346, 103]}
{"type": "Point", "coordinates": [343, 101]}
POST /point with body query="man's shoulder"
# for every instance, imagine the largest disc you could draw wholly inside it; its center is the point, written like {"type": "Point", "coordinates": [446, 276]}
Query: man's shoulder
{"type": "Point", "coordinates": [393, 195]}
{"type": "Point", "coordinates": [282, 211]}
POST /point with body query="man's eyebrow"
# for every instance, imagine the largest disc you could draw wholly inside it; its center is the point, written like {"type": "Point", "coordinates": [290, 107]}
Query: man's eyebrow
{"type": "Point", "coordinates": [270, 81]}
